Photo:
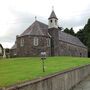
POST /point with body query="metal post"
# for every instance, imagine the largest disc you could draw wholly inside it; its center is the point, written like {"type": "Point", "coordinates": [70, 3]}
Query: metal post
{"type": "Point", "coordinates": [43, 65]}
{"type": "Point", "coordinates": [43, 57]}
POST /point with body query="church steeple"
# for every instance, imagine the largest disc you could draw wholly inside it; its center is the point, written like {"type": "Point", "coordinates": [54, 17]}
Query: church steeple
{"type": "Point", "coordinates": [53, 15]}
{"type": "Point", "coordinates": [53, 20]}
{"type": "Point", "coordinates": [54, 32]}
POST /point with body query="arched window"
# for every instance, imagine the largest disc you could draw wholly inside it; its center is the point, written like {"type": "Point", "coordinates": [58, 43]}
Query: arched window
{"type": "Point", "coordinates": [51, 21]}
{"type": "Point", "coordinates": [35, 41]}
{"type": "Point", "coordinates": [22, 42]}
{"type": "Point", "coordinates": [48, 42]}
{"type": "Point", "coordinates": [56, 22]}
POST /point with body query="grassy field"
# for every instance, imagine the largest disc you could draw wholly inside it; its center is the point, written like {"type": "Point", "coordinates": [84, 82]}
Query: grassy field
{"type": "Point", "coordinates": [16, 70]}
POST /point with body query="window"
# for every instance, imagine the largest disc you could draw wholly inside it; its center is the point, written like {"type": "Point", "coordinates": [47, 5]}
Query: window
{"type": "Point", "coordinates": [22, 42]}
{"type": "Point", "coordinates": [51, 21]}
{"type": "Point", "coordinates": [35, 41]}
{"type": "Point", "coordinates": [56, 22]}
{"type": "Point", "coordinates": [48, 42]}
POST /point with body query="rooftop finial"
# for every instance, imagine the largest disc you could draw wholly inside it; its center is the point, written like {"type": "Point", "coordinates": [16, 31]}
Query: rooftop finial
{"type": "Point", "coordinates": [35, 18]}
{"type": "Point", "coordinates": [52, 8]}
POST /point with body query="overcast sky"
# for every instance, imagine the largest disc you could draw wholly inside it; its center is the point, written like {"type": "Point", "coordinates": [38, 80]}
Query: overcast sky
{"type": "Point", "coordinates": [17, 15]}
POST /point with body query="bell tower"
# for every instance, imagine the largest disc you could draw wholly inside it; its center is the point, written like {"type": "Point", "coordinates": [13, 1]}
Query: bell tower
{"type": "Point", "coordinates": [52, 20]}
{"type": "Point", "coordinates": [54, 32]}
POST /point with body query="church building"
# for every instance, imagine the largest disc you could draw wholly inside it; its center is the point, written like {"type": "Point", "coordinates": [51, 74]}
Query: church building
{"type": "Point", "coordinates": [1, 50]}
{"type": "Point", "coordinates": [49, 38]}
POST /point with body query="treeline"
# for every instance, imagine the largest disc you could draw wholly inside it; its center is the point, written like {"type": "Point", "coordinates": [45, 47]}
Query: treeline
{"type": "Point", "coordinates": [82, 34]}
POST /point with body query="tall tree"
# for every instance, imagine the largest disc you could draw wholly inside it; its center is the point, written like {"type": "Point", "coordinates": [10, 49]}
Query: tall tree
{"type": "Point", "coordinates": [84, 35]}
{"type": "Point", "coordinates": [72, 32]}
{"type": "Point", "coordinates": [69, 31]}
{"type": "Point", "coordinates": [66, 30]}
{"type": "Point", "coordinates": [81, 35]}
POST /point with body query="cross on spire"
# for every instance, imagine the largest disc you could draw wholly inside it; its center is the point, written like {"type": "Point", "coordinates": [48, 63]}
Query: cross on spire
{"type": "Point", "coordinates": [52, 8]}
{"type": "Point", "coordinates": [35, 18]}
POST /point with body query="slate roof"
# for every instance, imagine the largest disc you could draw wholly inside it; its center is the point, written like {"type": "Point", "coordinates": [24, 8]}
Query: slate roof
{"type": "Point", "coordinates": [70, 39]}
{"type": "Point", "coordinates": [53, 15]}
{"type": "Point", "coordinates": [39, 28]}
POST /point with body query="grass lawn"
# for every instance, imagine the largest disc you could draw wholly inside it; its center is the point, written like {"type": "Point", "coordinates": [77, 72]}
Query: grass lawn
{"type": "Point", "coordinates": [16, 70]}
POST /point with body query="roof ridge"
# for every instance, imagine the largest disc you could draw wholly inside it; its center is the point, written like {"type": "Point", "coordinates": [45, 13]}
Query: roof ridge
{"type": "Point", "coordinates": [36, 28]}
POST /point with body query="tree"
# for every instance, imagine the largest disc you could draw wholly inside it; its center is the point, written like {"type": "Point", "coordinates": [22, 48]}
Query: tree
{"type": "Point", "coordinates": [66, 30]}
{"type": "Point", "coordinates": [84, 35]}
{"type": "Point", "coordinates": [86, 32]}
{"type": "Point", "coordinates": [87, 27]}
{"type": "Point", "coordinates": [81, 36]}
{"type": "Point", "coordinates": [72, 32]}
{"type": "Point", "coordinates": [69, 31]}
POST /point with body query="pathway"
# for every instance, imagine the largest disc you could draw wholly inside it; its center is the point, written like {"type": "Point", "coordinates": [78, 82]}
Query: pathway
{"type": "Point", "coordinates": [84, 85]}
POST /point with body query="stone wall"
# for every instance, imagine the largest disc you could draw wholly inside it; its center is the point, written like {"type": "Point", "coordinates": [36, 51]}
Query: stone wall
{"type": "Point", "coordinates": [54, 32]}
{"type": "Point", "coordinates": [58, 81]}
{"type": "Point", "coordinates": [57, 47]}
{"type": "Point", "coordinates": [68, 49]}
{"type": "Point", "coordinates": [28, 49]}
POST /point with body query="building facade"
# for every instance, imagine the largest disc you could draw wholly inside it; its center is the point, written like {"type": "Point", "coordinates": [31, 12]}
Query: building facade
{"type": "Point", "coordinates": [1, 50]}
{"type": "Point", "coordinates": [40, 37]}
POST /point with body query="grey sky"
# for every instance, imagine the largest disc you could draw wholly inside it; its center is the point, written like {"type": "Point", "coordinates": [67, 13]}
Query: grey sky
{"type": "Point", "coordinates": [17, 15]}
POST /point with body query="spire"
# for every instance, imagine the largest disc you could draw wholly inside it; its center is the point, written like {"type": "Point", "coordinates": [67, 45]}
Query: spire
{"type": "Point", "coordinates": [52, 8]}
{"type": "Point", "coordinates": [35, 18]}
{"type": "Point", "coordinates": [53, 20]}
{"type": "Point", "coordinates": [53, 15]}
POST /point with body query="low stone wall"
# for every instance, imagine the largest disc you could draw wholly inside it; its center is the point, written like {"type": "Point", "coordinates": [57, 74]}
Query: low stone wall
{"type": "Point", "coordinates": [60, 81]}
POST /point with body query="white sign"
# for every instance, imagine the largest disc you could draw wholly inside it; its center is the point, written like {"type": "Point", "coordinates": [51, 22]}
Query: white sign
{"type": "Point", "coordinates": [43, 55]}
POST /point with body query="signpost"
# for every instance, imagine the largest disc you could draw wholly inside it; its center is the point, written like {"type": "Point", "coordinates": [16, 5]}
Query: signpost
{"type": "Point", "coordinates": [43, 57]}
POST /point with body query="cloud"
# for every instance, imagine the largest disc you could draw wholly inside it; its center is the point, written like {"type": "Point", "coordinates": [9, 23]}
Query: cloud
{"type": "Point", "coordinates": [17, 17]}
{"type": "Point", "coordinates": [76, 20]}
{"type": "Point", "coordinates": [17, 26]}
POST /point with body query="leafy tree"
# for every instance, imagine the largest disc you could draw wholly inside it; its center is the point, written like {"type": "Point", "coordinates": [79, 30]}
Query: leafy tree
{"type": "Point", "coordinates": [84, 35]}
{"type": "Point", "coordinates": [87, 27]}
{"type": "Point", "coordinates": [72, 32]}
{"type": "Point", "coordinates": [69, 31]}
{"type": "Point", "coordinates": [80, 34]}
{"type": "Point", "coordinates": [66, 30]}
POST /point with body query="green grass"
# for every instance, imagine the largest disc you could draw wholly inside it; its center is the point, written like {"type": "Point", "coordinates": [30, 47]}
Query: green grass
{"type": "Point", "coordinates": [16, 70]}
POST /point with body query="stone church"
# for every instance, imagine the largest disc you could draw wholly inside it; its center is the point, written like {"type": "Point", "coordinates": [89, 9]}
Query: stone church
{"type": "Point", "coordinates": [49, 38]}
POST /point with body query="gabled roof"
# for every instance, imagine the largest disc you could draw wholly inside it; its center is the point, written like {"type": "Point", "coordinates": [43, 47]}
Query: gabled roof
{"type": "Point", "coordinates": [53, 15]}
{"type": "Point", "coordinates": [37, 28]}
{"type": "Point", "coordinates": [70, 39]}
